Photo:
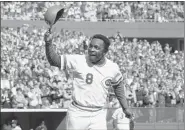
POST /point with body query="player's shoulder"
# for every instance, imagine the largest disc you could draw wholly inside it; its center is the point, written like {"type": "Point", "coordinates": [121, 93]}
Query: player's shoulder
{"type": "Point", "coordinates": [112, 64]}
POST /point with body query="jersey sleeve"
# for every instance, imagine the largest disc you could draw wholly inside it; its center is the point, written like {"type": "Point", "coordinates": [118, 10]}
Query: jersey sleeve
{"type": "Point", "coordinates": [68, 61]}
{"type": "Point", "coordinates": [117, 78]}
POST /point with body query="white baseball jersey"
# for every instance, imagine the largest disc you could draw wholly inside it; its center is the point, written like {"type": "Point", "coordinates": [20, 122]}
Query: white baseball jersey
{"type": "Point", "coordinates": [120, 116]}
{"type": "Point", "coordinates": [122, 123]}
{"type": "Point", "coordinates": [91, 82]}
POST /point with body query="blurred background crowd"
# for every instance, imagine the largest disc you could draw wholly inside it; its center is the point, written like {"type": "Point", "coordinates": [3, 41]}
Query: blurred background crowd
{"type": "Point", "coordinates": [98, 11]}
{"type": "Point", "coordinates": [154, 75]}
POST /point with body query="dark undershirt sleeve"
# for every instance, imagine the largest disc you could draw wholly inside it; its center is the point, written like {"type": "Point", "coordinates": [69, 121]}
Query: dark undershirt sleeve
{"type": "Point", "coordinates": [53, 58]}
{"type": "Point", "coordinates": [120, 94]}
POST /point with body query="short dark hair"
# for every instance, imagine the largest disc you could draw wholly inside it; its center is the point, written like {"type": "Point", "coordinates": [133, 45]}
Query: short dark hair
{"type": "Point", "coordinates": [105, 40]}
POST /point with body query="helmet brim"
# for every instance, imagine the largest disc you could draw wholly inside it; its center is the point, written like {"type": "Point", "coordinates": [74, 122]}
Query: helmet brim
{"type": "Point", "coordinates": [59, 15]}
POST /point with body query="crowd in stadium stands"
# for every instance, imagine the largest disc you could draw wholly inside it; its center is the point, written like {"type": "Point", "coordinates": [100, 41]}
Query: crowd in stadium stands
{"type": "Point", "coordinates": [153, 76]}
{"type": "Point", "coordinates": [98, 11]}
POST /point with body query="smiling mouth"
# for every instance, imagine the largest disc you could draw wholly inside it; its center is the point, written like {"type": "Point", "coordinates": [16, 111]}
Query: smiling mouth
{"type": "Point", "coordinates": [92, 55]}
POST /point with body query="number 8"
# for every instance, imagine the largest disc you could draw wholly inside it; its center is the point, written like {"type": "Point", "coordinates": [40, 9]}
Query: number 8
{"type": "Point", "coordinates": [89, 78]}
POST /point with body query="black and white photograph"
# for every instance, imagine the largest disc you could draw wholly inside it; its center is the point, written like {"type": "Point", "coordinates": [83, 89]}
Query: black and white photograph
{"type": "Point", "coordinates": [92, 65]}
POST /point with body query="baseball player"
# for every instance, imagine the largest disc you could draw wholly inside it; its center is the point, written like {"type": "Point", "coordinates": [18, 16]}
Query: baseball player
{"type": "Point", "coordinates": [120, 121]}
{"type": "Point", "coordinates": [93, 75]}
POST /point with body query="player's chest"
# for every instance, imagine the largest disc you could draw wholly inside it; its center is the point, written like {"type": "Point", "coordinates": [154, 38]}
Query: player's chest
{"type": "Point", "coordinates": [93, 74]}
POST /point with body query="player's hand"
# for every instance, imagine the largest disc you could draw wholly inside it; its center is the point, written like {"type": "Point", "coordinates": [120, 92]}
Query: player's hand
{"type": "Point", "coordinates": [48, 36]}
{"type": "Point", "coordinates": [128, 114]}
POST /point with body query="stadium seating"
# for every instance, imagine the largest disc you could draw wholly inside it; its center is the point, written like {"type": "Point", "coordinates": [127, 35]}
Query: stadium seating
{"type": "Point", "coordinates": [28, 81]}
{"type": "Point", "coordinates": [98, 11]}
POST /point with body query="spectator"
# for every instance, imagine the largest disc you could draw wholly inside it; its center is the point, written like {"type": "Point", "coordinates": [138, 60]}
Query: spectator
{"type": "Point", "coordinates": [15, 125]}
{"type": "Point", "coordinates": [6, 99]}
{"type": "Point", "coordinates": [46, 104]}
{"type": "Point", "coordinates": [180, 98]}
{"type": "Point", "coordinates": [7, 125]}
{"type": "Point", "coordinates": [19, 99]}
{"type": "Point", "coordinates": [67, 96]}
{"type": "Point", "coordinates": [92, 11]}
{"type": "Point", "coordinates": [34, 97]}
{"type": "Point", "coordinates": [41, 126]}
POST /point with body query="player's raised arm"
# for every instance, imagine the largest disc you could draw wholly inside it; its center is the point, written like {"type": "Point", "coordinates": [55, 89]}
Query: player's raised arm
{"type": "Point", "coordinates": [51, 16]}
{"type": "Point", "coordinates": [53, 58]}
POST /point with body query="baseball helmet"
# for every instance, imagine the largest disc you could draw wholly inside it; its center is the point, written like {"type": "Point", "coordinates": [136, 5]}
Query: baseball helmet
{"type": "Point", "coordinates": [53, 14]}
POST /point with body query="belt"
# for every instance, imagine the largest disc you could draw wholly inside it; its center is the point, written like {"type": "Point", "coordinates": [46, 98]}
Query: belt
{"type": "Point", "coordinates": [87, 108]}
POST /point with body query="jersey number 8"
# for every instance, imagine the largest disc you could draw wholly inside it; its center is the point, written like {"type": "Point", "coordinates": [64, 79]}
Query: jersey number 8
{"type": "Point", "coordinates": [89, 78]}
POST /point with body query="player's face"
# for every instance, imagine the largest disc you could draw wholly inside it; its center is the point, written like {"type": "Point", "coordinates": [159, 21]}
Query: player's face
{"type": "Point", "coordinates": [96, 50]}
